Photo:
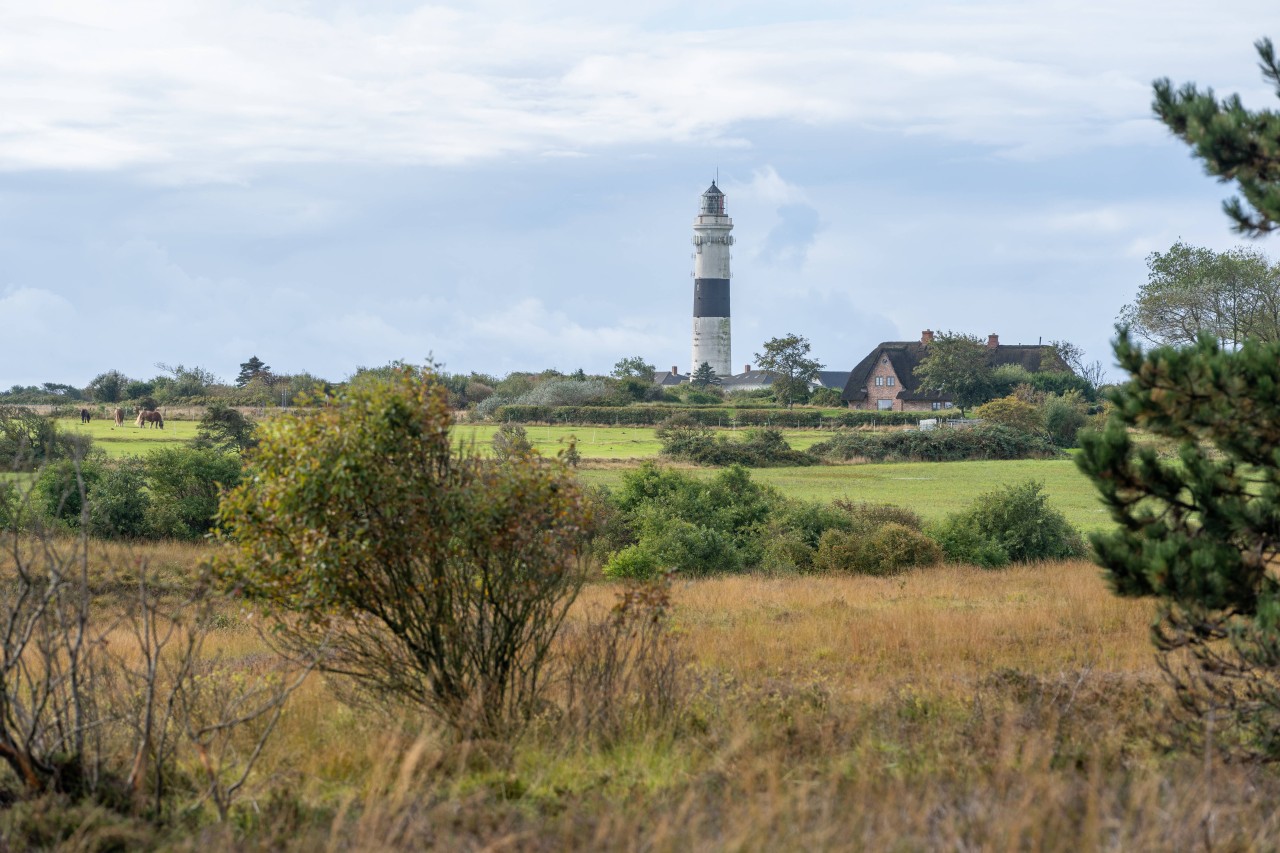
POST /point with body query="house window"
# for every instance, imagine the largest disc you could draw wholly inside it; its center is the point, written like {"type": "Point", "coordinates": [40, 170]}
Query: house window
{"type": "Point", "coordinates": [884, 405]}
{"type": "Point", "coordinates": [889, 380]}
{"type": "Point", "coordinates": [879, 381]}
{"type": "Point", "coordinates": [936, 406]}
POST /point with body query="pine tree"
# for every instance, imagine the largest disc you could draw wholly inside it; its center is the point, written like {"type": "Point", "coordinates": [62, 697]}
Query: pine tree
{"type": "Point", "coordinates": [250, 370]}
{"type": "Point", "coordinates": [1201, 533]}
{"type": "Point", "coordinates": [1235, 144]}
{"type": "Point", "coordinates": [705, 375]}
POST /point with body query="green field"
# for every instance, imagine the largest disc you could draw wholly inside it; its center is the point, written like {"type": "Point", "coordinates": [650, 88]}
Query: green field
{"type": "Point", "coordinates": [611, 442]}
{"type": "Point", "coordinates": [932, 489]}
{"type": "Point", "coordinates": [130, 440]}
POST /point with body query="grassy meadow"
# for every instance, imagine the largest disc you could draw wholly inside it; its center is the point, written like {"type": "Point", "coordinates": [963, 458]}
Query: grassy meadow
{"type": "Point", "coordinates": [933, 489]}
{"type": "Point", "coordinates": [130, 439]}
{"type": "Point", "coordinates": [946, 708]}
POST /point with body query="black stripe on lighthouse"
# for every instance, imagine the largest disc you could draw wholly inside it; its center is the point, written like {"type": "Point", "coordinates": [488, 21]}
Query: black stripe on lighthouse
{"type": "Point", "coordinates": [711, 297]}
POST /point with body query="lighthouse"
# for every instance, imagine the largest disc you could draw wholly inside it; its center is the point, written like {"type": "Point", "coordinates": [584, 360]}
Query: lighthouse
{"type": "Point", "coordinates": [711, 242]}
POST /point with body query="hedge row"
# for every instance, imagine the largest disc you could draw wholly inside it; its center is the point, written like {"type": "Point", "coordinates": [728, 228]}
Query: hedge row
{"type": "Point", "coordinates": [986, 441]}
{"type": "Point", "coordinates": [653, 415]}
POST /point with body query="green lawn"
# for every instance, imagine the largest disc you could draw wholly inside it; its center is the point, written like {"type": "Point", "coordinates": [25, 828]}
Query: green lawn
{"type": "Point", "coordinates": [933, 489]}
{"type": "Point", "coordinates": [610, 442]}
{"type": "Point", "coordinates": [130, 440]}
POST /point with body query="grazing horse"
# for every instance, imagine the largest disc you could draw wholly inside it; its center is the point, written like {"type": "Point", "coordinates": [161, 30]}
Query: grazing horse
{"type": "Point", "coordinates": [151, 417]}
{"type": "Point", "coordinates": [85, 417]}
{"type": "Point", "coordinates": [119, 413]}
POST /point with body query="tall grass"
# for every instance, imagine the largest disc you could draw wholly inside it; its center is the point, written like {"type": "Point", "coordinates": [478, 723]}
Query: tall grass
{"type": "Point", "coordinates": [945, 708]}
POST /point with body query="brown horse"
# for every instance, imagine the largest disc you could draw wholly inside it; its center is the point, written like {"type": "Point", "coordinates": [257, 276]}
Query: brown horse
{"type": "Point", "coordinates": [85, 417]}
{"type": "Point", "coordinates": [151, 417]}
{"type": "Point", "coordinates": [119, 415]}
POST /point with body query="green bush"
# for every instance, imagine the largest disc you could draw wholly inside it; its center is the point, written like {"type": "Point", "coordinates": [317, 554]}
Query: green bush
{"type": "Point", "coordinates": [864, 515]}
{"type": "Point", "coordinates": [1064, 417]}
{"type": "Point", "coordinates": [826, 398]}
{"type": "Point", "coordinates": [686, 439]}
{"type": "Point", "coordinates": [10, 505]}
{"type": "Point", "coordinates": [665, 519]}
{"type": "Point", "coordinates": [185, 485]}
{"type": "Point", "coordinates": [61, 489]}
{"type": "Point", "coordinates": [511, 442]}
{"type": "Point", "coordinates": [1013, 524]}
{"type": "Point", "coordinates": [119, 503]}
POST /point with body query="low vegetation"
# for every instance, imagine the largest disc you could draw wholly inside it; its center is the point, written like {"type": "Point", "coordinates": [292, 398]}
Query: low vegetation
{"type": "Point", "coordinates": [983, 441]}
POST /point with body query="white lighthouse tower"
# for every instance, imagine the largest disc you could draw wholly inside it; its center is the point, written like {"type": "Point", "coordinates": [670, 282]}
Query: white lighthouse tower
{"type": "Point", "coordinates": [711, 242]}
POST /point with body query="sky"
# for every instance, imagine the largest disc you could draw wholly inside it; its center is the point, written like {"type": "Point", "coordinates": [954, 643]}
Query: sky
{"type": "Point", "coordinates": [505, 185]}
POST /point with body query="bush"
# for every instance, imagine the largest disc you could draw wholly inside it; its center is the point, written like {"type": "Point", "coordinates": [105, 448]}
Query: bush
{"type": "Point", "coordinates": [511, 442]}
{"type": "Point", "coordinates": [672, 521]}
{"type": "Point", "coordinates": [223, 428]}
{"type": "Point", "coordinates": [119, 504]}
{"type": "Point", "coordinates": [1012, 524]}
{"type": "Point", "coordinates": [884, 549]}
{"type": "Point", "coordinates": [1064, 417]}
{"type": "Point", "coordinates": [185, 485]}
{"type": "Point", "coordinates": [445, 576]}
{"type": "Point", "coordinates": [60, 491]}
{"type": "Point", "coordinates": [1012, 412]}
{"type": "Point", "coordinates": [826, 397]}
{"type": "Point", "coordinates": [686, 439]}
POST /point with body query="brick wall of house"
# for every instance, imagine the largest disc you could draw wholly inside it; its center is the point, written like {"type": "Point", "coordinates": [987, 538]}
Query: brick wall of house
{"type": "Point", "coordinates": [875, 393]}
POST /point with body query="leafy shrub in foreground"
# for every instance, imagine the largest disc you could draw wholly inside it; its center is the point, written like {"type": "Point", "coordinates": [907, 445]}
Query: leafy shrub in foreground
{"type": "Point", "coordinates": [446, 576]}
{"type": "Point", "coordinates": [1013, 524]}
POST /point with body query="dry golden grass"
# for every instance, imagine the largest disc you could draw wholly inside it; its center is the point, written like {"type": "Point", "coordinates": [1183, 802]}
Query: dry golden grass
{"type": "Point", "coordinates": [947, 708]}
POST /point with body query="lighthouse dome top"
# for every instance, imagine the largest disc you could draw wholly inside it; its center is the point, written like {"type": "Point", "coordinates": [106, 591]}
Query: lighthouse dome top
{"type": "Point", "coordinates": [713, 201]}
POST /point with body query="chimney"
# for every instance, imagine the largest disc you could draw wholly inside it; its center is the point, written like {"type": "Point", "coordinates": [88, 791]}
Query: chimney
{"type": "Point", "coordinates": [926, 337]}
{"type": "Point", "coordinates": [674, 371]}
{"type": "Point", "coordinates": [746, 368]}
{"type": "Point", "coordinates": [993, 341]}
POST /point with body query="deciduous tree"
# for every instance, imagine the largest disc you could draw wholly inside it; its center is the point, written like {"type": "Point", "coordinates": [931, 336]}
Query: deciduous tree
{"type": "Point", "coordinates": [788, 359]}
{"type": "Point", "coordinates": [959, 365]}
{"type": "Point", "coordinates": [634, 367]}
{"type": "Point", "coordinates": [1231, 295]}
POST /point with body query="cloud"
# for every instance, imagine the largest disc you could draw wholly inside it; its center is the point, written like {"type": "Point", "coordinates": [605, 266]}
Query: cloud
{"type": "Point", "coordinates": [210, 89]}
{"type": "Point", "coordinates": [788, 242]}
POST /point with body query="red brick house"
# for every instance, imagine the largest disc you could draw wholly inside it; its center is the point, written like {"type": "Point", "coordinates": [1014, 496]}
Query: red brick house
{"type": "Point", "coordinates": [885, 380]}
